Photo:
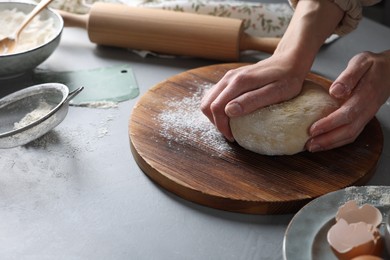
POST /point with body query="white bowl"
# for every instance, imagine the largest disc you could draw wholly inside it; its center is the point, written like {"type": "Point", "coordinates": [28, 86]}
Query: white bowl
{"type": "Point", "coordinates": [16, 64]}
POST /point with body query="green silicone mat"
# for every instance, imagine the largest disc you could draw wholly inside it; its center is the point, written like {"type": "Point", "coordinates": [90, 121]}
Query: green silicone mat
{"type": "Point", "coordinates": [108, 84]}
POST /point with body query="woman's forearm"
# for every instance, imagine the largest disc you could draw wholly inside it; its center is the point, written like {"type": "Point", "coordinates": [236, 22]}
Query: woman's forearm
{"type": "Point", "coordinates": [312, 23]}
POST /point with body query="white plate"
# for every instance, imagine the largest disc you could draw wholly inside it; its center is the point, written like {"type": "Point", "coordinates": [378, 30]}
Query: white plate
{"type": "Point", "coordinates": [305, 236]}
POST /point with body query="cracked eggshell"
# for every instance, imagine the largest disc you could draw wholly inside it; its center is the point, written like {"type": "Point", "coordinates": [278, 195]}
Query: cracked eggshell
{"type": "Point", "coordinates": [355, 232]}
{"type": "Point", "coordinates": [352, 240]}
{"type": "Point", "coordinates": [352, 213]}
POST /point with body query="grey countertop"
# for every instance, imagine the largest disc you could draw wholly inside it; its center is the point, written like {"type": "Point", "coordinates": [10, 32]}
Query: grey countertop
{"type": "Point", "coordinates": [78, 193]}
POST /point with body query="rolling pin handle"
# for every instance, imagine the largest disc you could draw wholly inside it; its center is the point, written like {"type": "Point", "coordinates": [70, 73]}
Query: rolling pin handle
{"type": "Point", "coordinates": [268, 45]}
{"type": "Point", "coordinates": [74, 20]}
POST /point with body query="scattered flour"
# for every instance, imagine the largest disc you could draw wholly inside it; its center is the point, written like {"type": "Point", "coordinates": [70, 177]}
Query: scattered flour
{"type": "Point", "coordinates": [69, 142]}
{"type": "Point", "coordinates": [103, 126]}
{"type": "Point", "coordinates": [98, 104]}
{"type": "Point", "coordinates": [375, 195]}
{"type": "Point", "coordinates": [184, 122]}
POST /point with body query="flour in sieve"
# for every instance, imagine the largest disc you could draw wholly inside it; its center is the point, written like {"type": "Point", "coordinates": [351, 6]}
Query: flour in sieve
{"type": "Point", "coordinates": [42, 110]}
{"type": "Point", "coordinates": [184, 122]}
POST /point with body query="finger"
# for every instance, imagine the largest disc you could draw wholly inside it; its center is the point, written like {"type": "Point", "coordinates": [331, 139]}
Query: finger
{"type": "Point", "coordinates": [232, 84]}
{"type": "Point", "coordinates": [336, 138]}
{"type": "Point", "coordinates": [357, 67]}
{"type": "Point", "coordinates": [223, 126]}
{"type": "Point", "coordinates": [351, 111]}
{"type": "Point", "coordinates": [210, 96]}
{"type": "Point", "coordinates": [215, 112]}
{"type": "Point", "coordinates": [272, 93]}
{"type": "Point", "coordinates": [339, 128]}
{"type": "Point", "coordinates": [219, 116]}
{"type": "Point", "coordinates": [342, 116]}
{"type": "Point", "coordinates": [339, 136]}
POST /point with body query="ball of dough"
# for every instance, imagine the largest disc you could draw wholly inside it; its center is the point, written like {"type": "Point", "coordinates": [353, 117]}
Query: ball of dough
{"type": "Point", "coordinates": [283, 129]}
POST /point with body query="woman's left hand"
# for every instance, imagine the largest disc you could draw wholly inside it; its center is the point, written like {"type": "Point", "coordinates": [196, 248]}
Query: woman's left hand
{"type": "Point", "coordinates": [363, 87]}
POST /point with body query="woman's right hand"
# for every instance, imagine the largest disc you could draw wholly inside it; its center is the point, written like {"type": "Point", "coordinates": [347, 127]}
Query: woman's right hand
{"type": "Point", "coordinates": [279, 77]}
{"type": "Point", "coordinates": [246, 89]}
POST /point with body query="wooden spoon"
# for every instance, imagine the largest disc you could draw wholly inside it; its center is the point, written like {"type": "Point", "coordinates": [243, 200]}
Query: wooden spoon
{"type": "Point", "coordinates": [9, 43]}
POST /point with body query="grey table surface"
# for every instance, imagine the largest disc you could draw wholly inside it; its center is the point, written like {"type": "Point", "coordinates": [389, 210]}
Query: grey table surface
{"type": "Point", "coordinates": [82, 195]}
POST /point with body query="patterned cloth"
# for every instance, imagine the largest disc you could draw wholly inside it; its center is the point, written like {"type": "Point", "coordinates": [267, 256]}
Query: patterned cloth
{"type": "Point", "coordinates": [260, 19]}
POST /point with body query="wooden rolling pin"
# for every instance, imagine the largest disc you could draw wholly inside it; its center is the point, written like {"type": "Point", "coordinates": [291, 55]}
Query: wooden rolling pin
{"type": "Point", "coordinates": [168, 32]}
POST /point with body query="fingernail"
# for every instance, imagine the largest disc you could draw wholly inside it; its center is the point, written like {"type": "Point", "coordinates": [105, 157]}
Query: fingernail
{"type": "Point", "coordinates": [313, 147]}
{"type": "Point", "coordinates": [233, 109]}
{"type": "Point", "coordinates": [314, 131]}
{"type": "Point", "coordinates": [230, 138]}
{"type": "Point", "coordinates": [339, 90]}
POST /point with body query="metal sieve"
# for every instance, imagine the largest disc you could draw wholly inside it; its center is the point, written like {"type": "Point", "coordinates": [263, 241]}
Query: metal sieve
{"type": "Point", "coordinates": [18, 106]}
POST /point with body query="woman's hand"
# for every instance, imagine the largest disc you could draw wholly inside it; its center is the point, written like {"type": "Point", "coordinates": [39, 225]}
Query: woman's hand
{"type": "Point", "coordinates": [248, 88]}
{"type": "Point", "coordinates": [364, 86]}
{"type": "Point", "coordinates": [279, 77]}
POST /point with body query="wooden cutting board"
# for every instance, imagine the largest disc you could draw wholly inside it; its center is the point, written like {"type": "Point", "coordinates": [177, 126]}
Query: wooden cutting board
{"type": "Point", "coordinates": [178, 148]}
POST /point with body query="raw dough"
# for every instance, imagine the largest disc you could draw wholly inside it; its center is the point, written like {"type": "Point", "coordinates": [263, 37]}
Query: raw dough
{"type": "Point", "coordinates": [282, 129]}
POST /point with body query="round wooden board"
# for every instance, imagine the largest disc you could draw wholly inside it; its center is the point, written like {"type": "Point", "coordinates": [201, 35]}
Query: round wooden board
{"type": "Point", "coordinates": [221, 175]}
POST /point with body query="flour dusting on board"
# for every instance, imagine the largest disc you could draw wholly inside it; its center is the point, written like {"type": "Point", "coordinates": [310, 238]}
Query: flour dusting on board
{"type": "Point", "coordinates": [184, 122]}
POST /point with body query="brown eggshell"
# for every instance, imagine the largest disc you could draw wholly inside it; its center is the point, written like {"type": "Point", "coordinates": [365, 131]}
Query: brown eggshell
{"type": "Point", "coordinates": [355, 232]}
{"type": "Point", "coordinates": [351, 240]}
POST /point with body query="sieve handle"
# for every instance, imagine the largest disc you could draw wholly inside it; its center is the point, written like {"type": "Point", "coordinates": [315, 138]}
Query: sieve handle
{"type": "Point", "coordinates": [72, 94]}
